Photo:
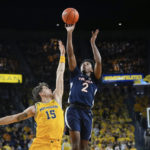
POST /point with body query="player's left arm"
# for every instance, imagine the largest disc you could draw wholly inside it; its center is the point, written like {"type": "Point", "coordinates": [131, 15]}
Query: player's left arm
{"type": "Point", "coordinates": [58, 92]}
{"type": "Point", "coordinates": [97, 56]}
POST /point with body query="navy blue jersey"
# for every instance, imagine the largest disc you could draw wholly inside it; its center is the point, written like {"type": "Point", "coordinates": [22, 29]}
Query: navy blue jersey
{"type": "Point", "coordinates": [82, 88]}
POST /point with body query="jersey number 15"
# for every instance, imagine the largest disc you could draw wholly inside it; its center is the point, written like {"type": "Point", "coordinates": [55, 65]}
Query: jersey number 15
{"type": "Point", "coordinates": [51, 114]}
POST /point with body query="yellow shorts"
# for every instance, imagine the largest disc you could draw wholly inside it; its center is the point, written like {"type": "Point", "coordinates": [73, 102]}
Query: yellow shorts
{"type": "Point", "coordinates": [45, 146]}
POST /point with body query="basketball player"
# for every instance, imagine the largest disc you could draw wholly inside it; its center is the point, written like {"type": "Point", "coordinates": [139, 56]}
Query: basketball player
{"type": "Point", "coordinates": [83, 87]}
{"type": "Point", "coordinates": [47, 113]}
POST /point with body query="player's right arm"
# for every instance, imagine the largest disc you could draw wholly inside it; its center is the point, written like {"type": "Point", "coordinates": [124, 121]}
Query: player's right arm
{"type": "Point", "coordinates": [27, 113]}
{"type": "Point", "coordinates": [71, 56]}
{"type": "Point", "coordinates": [58, 92]}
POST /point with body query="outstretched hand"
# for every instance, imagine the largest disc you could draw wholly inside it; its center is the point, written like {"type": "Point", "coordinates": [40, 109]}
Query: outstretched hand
{"type": "Point", "coordinates": [69, 28]}
{"type": "Point", "coordinates": [61, 47]}
{"type": "Point", "coordinates": [94, 35]}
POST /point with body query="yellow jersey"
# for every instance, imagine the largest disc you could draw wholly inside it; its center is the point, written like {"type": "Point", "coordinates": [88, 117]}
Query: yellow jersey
{"type": "Point", "coordinates": [49, 118]}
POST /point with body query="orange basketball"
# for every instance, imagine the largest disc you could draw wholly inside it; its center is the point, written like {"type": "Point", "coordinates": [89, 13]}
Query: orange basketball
{"type": "Point", "coordinates": [70, 16]}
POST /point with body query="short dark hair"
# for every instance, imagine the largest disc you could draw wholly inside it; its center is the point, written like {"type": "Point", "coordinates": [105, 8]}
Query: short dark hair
{"type": "Point", "coordinates": [88, 60]}
{"type": "Point", "coordinates": [36, 90]}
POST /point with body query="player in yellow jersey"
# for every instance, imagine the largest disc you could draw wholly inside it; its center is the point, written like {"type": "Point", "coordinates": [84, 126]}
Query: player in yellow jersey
{"type": "Point", "coordinates": [47, 113]}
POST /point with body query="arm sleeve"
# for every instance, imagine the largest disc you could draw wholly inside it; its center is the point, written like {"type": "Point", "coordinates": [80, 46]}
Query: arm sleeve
{"type": "Point", "coordinates": [74, 73]}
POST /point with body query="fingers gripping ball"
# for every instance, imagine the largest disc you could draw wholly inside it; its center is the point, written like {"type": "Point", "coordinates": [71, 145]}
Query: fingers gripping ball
{"type": "Point", "coordinates": [70, 16]}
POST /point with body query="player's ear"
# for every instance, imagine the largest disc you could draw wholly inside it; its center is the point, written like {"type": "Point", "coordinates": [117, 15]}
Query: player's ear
{"type": "Point", "coordinates": [91, 69]}
{"type": "Point", "coordinates": [40, 93]}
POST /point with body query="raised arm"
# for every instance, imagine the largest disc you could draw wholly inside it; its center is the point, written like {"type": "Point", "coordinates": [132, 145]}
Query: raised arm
{"type": "Point", "coordinates": [58, 92]}
{"type": "Point", "coordinates": [27, 113]}
{"type": "Point", "coordinates": [97, 56]}
{"type": "Point", "coordinates": [71, 57]}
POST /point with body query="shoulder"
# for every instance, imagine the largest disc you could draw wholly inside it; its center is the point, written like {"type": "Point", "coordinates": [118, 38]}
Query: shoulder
{"type": "Point", "coordinates": [57, 103]}
{"type": "Point", "coordinates": [75, 69]}
{"type": "Point", "coordinates": [58, 99]}
{"type": "Point", "coordinates": [37, 104]}
{"type": "Point", "coordinates": [30, 110]}
{"type": "Point", "coordinates": [31, 107]}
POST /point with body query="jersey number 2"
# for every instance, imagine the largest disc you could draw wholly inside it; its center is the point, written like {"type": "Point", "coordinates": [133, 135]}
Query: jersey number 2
{"type": "Point", "coordinates": [51, 114]}
{"type": "Point", "coordinates": [84, 89]}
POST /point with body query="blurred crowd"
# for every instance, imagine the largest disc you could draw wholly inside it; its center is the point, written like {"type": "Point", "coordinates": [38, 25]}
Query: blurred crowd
{"type": "Point", "coordinates": [37, 59]}
{"type": "Point", "coordinates": [124, 56]}
{"type": "Point", "coordinates": [113, 127]}
{"type": "Point", "coordinates": [140, 107]}
{"type": "Point", "coordinates": [142, 102]}
{"type": "Point", "coordinates": [42, 56]}
{"type": "Point", "coordinates": [8, 60]}
{"type": "Point", "coordinates": [15, 137]}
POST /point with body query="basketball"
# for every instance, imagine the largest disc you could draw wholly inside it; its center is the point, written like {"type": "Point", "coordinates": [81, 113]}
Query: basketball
{"type": "Point", "coordinates": [70, 16]}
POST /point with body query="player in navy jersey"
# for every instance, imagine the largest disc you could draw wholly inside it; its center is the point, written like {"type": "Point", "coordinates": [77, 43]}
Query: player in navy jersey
{"type": "Point", "coordinates": [83, 87]}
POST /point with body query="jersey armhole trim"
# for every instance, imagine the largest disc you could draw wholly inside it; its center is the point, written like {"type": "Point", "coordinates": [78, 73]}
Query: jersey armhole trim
{"type": "Point", "coordinates": [58, 105]}
{"type": "Point", "coordinates": [35, 111]}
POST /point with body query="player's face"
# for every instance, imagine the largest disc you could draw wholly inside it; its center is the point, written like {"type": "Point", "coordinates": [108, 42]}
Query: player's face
{"type": "Point", "coordinates": [87, 67]}
{"type": "Point", "coordinates": [46, 91]}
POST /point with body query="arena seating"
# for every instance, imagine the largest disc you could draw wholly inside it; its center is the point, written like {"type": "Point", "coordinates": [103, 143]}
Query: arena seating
{"type": "Point", "coordinates": [123, 56]}
{"type": "Point", "coordinates": [8, 60]}
{"type": "Point", "coordinates": [113, 127]}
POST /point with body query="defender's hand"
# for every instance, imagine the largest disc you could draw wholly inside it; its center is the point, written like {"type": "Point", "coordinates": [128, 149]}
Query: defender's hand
{"type": "Point", "coordinates": [69, 28]}
{"type": "Point", "coordinates": [94, 35]}
{"type": "Point", "coordinates": [61, 47]}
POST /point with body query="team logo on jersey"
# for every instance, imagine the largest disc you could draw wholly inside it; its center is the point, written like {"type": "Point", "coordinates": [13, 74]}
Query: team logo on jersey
{"type": "Point", "coordinates": [43, 108]}
{"type": "Point", "coordinates": [83, 79]}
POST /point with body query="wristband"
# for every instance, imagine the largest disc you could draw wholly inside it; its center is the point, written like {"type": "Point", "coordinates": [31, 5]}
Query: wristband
{"type": "Point", "coordinates": [62, 59]}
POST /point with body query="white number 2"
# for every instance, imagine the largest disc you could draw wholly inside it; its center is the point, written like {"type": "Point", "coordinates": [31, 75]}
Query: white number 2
{"type": "Point", "coordinates": [84, 89]}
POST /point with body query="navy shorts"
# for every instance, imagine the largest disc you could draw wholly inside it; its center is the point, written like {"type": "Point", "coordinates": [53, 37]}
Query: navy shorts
{"type": "Point", "coordinates": [77, 119]}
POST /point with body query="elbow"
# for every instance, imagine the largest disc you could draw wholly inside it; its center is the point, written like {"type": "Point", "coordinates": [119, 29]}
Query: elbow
{"type": "Point", "coordinates": [60, 71]}
{"type": "Point", "coordinates": [98, 62]}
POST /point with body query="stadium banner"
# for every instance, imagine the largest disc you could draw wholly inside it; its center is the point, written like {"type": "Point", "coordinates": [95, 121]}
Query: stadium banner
{"type": "Point", "coordinates": [121, 78]}
{"type": "Point", "coordinates": [10, 78]}
{"type": "Point", "coordinates": [144, 81]}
